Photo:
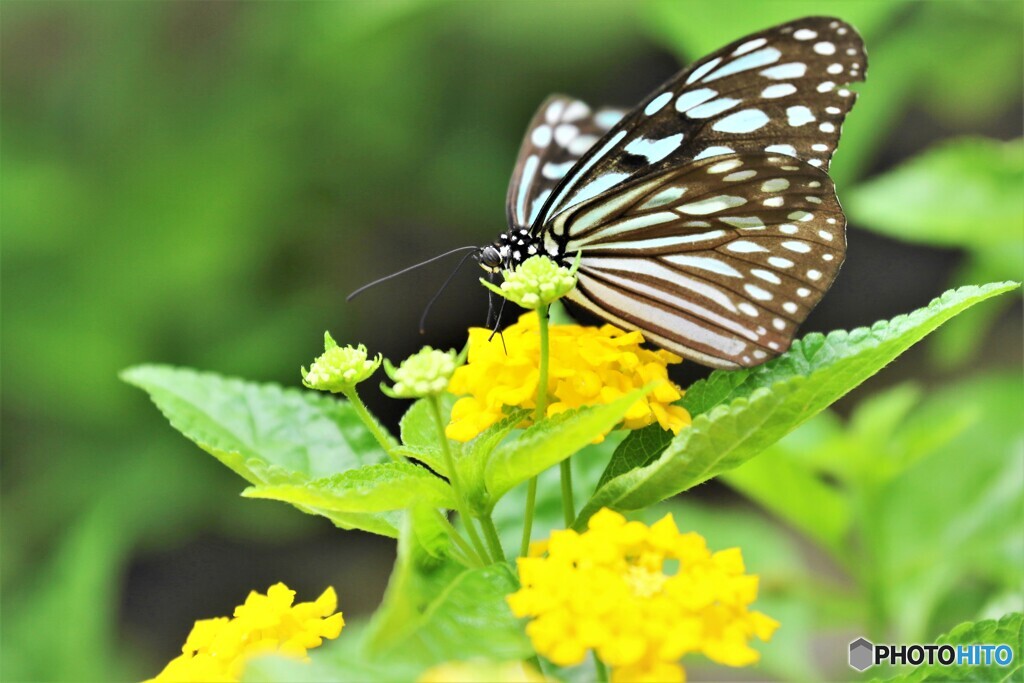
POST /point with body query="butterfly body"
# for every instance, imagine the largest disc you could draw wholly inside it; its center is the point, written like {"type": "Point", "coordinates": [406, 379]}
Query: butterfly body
{"type": "Point", "coordinates": [704, 217]}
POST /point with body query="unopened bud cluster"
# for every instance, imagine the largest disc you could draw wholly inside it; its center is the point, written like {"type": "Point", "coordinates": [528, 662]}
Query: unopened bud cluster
{"type": "Point", "coordinates": [425, 373]}
{"type": "Point", "coordinates": [339, 368]}
{"type": "Point", "coordinates": [536, 282]}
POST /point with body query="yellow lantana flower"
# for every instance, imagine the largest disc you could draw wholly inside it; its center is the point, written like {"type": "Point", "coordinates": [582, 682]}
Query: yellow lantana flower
{"type": "Point", "coordinates": [216, 650]}
{"type": "Point", "coordinates": [610, 590]}
{"type": "Point", "coordinates": [587, 366]}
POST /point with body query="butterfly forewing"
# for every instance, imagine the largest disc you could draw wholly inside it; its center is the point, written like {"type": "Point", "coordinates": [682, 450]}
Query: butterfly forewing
{"type": "Point", "coordinates": [780, 91]}
{"type": "Point", "coordinates": [561, 131]}
{"type": "Point", "coordinates": [718, 260]}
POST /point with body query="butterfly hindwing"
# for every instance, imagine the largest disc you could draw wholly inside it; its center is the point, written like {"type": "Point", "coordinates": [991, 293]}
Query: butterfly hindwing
{"type": "Point", "coordinates": [781, 90]}
{"type": "Point", "coordinates": [561, 131]}
{"type": "Point", "coordinates": [718, 260]}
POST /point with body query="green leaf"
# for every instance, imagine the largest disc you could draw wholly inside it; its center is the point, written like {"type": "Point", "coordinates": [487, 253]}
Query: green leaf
{"type": "Point", "coordinates": [435, 611]}
{"type": "Point", "coordinates": [964, 193]}
{"type": "Point", "coordinates": [417, 426]}
{"type": "Point", "coordinates": [266, 434]}
{"type": "Point", "coordinates": [961, 340]}
{"type": "Point", "coordinates": [474, 456]}
{"type": "Point", "coordinates": [755, 407]}
{"type": "Point", "coordinates": [374, 488]}
{"type": "Point", "coordinates": [552, 441]}
{"type": "Point", "coordinates": [1008, 630]}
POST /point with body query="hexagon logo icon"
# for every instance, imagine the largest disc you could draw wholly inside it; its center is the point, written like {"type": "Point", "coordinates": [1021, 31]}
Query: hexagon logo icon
{"type": "Point", "coordinates": [861, 654]}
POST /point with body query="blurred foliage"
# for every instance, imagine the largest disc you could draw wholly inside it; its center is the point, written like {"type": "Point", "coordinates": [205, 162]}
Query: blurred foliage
{"type": "Point", "coordinates": [196, 183]}
{"type": "Point", "coordinates": [964, 194]}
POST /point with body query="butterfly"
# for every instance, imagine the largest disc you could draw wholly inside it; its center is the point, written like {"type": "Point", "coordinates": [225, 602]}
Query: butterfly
{"type": "Point", "coordinates": [705, 216]}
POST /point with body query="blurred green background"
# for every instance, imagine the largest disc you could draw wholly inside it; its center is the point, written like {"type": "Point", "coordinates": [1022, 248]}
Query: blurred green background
{"type": "Point", "coordinates": [201, 183]}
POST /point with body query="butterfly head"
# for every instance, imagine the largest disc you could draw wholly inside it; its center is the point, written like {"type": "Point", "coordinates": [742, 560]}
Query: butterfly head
{"type": "Point", "coordinates": [508, 251]}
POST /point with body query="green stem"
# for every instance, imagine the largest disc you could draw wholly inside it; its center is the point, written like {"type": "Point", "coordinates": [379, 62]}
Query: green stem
{"type": "Point", "coordinates": [460, 542]}
{"type": "Point", "coordinates": [531, 499]}
{"type": "Point", "coordinates": [386, 441]}
{"type": "Point", "coordinates": [453, 477]}
{"type": "Point", "coordinates": [602, 670]}
{"type": "Point", "coordinates": [568, 509]}
{"type": "Point", "coordinates": [491, 534]}
{"type": "Point", "coordinates": [542, 379]}
{"type": "Point", "coordinates": [539, 413]}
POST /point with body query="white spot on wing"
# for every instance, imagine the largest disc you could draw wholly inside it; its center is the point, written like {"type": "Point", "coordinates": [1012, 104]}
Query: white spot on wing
{"type": "Point", "coordinates": [575, 111]}
{"type": "Point", "coordinates": [748, 309]}
{"type": "Point", "coordinates": [745, 121]}
{"type": "Point", "coordinates": [713, 151]}
{"type": "Point", "coordinates": [805, 34]}
{"type": "Point", "coordinates": [565, 133]}
{"type": "Point", "coordinates": [541, 136]}
{"type": "Point", "coordinates": [581, 144]}
{"type": "Point", "coordinates": [704, 263]}
{"type": "Point", "coordinates": [778, 90]}
{"type": "Point", "coordinates": [774, 185]}
{"type": "Point", "coordinates": [798, 247]}
{"type": "Point", "coordinates": [743, 222]}
{"type": "Point", "coordinates": [554, 111]}
{"type": "Point", "coordinates": [825, 48]}
{"type": "Point", "coordinates": [745, 247]}
{"type": "Point", "coordinates": [766, 275]}
{"type": "Point", "coordinates": [799, 115]}
{"type": "Point", "coordinates": [699, 72]}
{"type": "Point", "coordinates": [780, 262]}
{"type": "Point", "coordinates": [749, 45]}
{"type": "Point", "coordinates": [723, 166]}
{"type": "Point", "coordinates": [598, 185]}
{"type": "Point", "coordinates": [757, 292]}
{"type": "Point", "coordinates": [691, 98]}
{"type": "Point", "coordinates": [711, 205]}
{"type": "Point", "coordinates": [665, 196]}
{"type": "Point", "coordinates": [768, 55]}
{"type": "Point", "coordinates": [658, 103]}
{"type": "Point", "coordinates": [709, 109]}
{"type": "Point", "coordinates": [740, 175]}
{"type": "Point", "coordinates": [788, 150]}
{"type": "Point", "coordinates": [655, 150]}
{"type": "Point", "coordinates": [784, 72]}
{"type": "Point", "coordinates": [556, 171]}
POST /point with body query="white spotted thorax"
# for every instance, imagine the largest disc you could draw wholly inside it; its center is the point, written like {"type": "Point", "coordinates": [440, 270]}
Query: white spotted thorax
{"type": "Point", "coordinates": [704, 217]}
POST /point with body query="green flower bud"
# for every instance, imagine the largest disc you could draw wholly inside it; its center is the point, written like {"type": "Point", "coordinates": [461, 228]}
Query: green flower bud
{"type": "Point", "coordinates": [425, 373]}
{"type": "Point", "coordinates": [536, 282]}
{"type": "Point", "coordinates": [339, 368]}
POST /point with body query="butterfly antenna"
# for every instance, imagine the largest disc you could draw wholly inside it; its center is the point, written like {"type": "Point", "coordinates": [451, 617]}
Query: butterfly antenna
{"type": "Point", "coordinates": [437, 295]}
{"type": "Point", "coordinates": [365, 287]}
{"type": "Point", "coordinates": [497, 324]}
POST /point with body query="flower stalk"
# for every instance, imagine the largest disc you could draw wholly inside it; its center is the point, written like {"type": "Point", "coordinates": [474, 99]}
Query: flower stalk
{"type": "Point", "coordinates": [453, 477]}
{"type": "Point", "coordinates": [539, 413]}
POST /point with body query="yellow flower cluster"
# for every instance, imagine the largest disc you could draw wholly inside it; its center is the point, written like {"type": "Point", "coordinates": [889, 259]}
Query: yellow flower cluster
{"type": "Point", "coordinates": [587, 366]}
{"type": "Point", "coordinates": [608, 590]}
{"type": "Point", "coordinates": [216, 650]}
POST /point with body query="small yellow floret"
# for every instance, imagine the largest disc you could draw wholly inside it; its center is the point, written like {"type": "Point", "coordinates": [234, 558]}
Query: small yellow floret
{"type": "Point", "coordinates": [217, 649]}
{"type": "Point", "coordinates": [610, 590]}
{"type": "Point", "coordinates": [587, 366]}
